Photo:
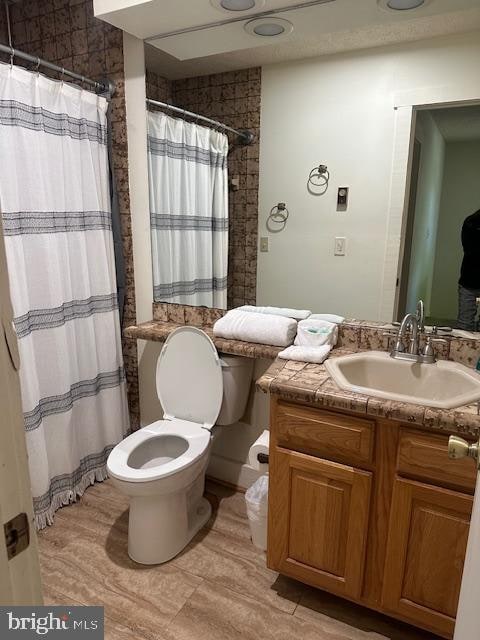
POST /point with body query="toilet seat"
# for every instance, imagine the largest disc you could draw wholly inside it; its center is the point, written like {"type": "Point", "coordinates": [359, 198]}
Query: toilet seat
{"type": "Point", "coordinates": [197, 441]}
{"type": "Point", "coordinates": [190, 389]}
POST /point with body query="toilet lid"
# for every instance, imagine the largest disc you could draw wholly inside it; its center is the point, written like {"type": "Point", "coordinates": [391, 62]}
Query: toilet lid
{"type": "Point", "coordinates": [189, 377]}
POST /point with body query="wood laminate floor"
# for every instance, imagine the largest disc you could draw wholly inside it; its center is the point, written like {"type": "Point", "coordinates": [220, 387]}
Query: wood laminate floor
{"type": "Point", "coordinates": [218, 588]}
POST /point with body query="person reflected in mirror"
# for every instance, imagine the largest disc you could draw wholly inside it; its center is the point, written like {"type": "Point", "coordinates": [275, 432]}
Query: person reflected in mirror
{"type": "Point", "coordinates": [469, 282]}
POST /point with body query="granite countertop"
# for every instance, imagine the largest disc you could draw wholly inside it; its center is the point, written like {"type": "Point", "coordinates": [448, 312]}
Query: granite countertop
{"type": "Point", "coordinates": [158, 331]}
{"type": "Point", "coordinates": [311, 383]}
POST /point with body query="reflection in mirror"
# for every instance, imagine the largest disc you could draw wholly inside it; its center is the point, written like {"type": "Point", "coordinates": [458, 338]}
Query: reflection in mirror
{"type": "Point", "coordinates": [441, 257]}
{"type": "Point", "coordinates": [188, 187]}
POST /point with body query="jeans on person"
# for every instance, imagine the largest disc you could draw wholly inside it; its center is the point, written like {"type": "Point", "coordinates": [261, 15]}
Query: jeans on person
{"type": "Point", "coordinates": [467, 308]}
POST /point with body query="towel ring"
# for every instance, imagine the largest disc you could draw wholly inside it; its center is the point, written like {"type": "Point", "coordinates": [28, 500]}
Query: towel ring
{"type": "Point", "coordinates": [318, 179]}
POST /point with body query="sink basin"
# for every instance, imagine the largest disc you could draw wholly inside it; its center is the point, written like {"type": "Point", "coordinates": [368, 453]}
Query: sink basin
{"type": "Point", "coordinates": [444, 384]}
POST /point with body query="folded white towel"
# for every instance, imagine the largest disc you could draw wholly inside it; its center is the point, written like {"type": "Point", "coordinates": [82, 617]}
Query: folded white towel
{"type": "Point", "coordinates": [314, 333]}
{"type": "Point", "coordinates": [329, 317]}
{"type": "Point", "coordinates": [296, 314]}
{"type": "Point", "coordinates": [256, 327]}
{"type": "Point", "coordinates": [315, 355]}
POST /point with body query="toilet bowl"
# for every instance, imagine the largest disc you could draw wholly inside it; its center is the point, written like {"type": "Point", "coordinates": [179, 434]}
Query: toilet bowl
{"type": "Point", "coordinates": [162, 466]}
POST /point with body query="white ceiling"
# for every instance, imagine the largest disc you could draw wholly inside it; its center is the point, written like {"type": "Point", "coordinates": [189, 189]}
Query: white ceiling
{"type": "Point", "coordinates": [339, 25]}
{"type": "Point", "coordinates": [458, 124]}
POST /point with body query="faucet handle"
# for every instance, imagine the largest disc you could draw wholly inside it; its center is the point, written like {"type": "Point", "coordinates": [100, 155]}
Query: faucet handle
{"type": "Point", "coordinates": [444, 329]}
{"type": "Point", "coordinates": [399, 346]}
{"type": "Point", "coordinates": [432, 336]}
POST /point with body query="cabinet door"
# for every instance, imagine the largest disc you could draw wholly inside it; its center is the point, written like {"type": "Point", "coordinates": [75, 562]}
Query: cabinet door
{"type": "Point", "coordinates": [318, 520]}
{"type": "Point", "coordinates": [425, 554]}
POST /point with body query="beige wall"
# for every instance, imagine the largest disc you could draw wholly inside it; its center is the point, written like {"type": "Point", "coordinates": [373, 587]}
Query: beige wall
{"type": "Point", "coordinates": [338, 110]}
{"type": "Point", "coordinates": [460, 198]}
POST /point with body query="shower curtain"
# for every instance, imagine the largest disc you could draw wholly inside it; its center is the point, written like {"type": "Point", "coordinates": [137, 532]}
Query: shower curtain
{"type": "Point", "coordinates": [54, 198]}
{"type": "Point", "coordinates": [188, 211]}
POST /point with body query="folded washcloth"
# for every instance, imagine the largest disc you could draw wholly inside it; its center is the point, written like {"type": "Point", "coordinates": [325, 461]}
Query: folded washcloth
{"type": "Point", "coordinates": [329, 317]}
{"type": "Point", "coordinates": [315, 355]}
{"type": "Point", "coordinates": [296, 314]}
{"type": "Point", "coordinates": [314, 333]}
{"type": "Point", "coordinates": [256, 327]}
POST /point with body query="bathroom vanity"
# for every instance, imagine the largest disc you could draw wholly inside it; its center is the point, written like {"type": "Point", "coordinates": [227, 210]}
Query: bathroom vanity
{"type": "Point", "coordinates": [364, 501]}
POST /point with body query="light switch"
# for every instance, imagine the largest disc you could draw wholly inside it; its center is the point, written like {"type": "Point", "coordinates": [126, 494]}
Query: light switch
{"type": "Point", "coordinates": [264, 244]}
{"type": "Point", "coordinates": [340, 246]}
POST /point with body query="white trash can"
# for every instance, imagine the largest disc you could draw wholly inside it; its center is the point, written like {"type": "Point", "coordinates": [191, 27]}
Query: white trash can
{"type": "Point", "coordinates": [256, 498]}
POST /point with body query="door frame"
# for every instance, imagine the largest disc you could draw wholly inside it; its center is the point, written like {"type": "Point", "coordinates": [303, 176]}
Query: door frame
{"type": "Point", "coordinates": [20, 576]}
{"type": "Point", "coordinates": [406, 105]}
{"type": "Point", "coordinates": [404, 267]}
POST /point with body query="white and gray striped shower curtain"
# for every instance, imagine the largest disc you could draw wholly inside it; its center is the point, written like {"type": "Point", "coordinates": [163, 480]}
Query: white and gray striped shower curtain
{"type": "Point", "coordinates": [54, 198]}
{"type": "Point", "coordinates": [188, 211]}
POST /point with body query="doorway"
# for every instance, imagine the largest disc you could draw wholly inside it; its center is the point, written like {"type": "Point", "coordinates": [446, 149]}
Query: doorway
{"type": "Point", "coordinates": [444, 190]}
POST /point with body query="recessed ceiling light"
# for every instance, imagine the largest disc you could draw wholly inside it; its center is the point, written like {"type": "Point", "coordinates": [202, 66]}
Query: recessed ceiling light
{"type": "Point", "coordinates": [268, 27]}
{"type": "Point", "coordinates": [402, 5]}
{"type": "Point", "coordinates": [237, 6]}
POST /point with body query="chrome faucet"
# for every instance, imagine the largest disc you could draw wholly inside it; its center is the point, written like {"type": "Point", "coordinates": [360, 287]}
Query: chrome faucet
{"type": "Point", "coordinates": [414, 324]}
{"type": "Point", "coordinates": [409, 323]}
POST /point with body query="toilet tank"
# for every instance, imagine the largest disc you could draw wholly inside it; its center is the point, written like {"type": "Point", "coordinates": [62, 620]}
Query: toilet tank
{"type": "Point", "coordinates": [237, 377]}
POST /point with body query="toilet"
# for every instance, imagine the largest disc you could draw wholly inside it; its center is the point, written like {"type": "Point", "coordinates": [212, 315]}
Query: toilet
{"type": "Point", "coordinates": [162, 466]}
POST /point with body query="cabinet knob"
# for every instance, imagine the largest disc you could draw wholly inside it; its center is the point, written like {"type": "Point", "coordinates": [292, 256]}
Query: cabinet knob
{"type": "Point", "coordinates": [460, 448]}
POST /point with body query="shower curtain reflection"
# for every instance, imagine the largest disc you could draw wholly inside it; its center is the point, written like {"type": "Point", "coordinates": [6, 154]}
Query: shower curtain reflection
{"type": "Point", "coordinates": [188, 211]}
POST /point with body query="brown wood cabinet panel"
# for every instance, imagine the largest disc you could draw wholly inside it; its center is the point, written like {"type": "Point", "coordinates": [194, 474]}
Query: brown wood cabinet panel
{"type": "Point", "coordinates": [425, 457]}
{"type": "Point", "coordinates": [330, 435]}
{"type": "Point", "coordinates": [425, 554]}
{"type": "Point", "coordinates": [318, 520]}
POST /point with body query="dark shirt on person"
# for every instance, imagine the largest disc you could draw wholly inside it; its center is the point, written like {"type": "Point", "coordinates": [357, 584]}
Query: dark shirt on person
{"type": "Point", "coordinates": [470, 271]}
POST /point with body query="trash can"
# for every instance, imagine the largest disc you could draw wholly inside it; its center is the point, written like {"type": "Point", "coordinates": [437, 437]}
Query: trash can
{"type": "Point", "coordinates": [256, 498]}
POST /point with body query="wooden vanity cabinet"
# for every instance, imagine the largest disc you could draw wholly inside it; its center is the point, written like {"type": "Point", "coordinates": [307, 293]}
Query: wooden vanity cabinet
{"type": "Point", "coordinates": [321, 513]}
{"type": "Point", "coordinates": [426, 549]}
{"type": "Point", "coordinates": [370, 510]}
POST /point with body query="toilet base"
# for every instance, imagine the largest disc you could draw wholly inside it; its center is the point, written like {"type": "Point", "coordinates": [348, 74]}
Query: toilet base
{"type": "Point", "coordinates": [160, 527]}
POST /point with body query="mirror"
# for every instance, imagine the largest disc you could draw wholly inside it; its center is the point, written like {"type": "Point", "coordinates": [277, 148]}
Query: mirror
{"type": "Point", "coordinates": [441, 257]}
{"type": "Point", "coordinates": [188, 190]}
{"type": "Point", "coordinates": [215, 243]}
{"type": "Point", "coordinates": [199, 190]}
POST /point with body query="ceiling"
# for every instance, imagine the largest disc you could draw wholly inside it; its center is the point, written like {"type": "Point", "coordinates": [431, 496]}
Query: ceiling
{"type": "Point", "coordinates": [458, 124]}
{"type": "Point", "coordinates": [332, 27]}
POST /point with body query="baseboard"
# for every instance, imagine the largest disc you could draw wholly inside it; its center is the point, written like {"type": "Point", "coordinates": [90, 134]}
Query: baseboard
{"type": "Point", "coordinates": [232, 472]}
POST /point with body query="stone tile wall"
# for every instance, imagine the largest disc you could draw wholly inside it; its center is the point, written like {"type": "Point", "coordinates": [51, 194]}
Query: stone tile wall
{"type": "Point", "coordinates": [67, 33]}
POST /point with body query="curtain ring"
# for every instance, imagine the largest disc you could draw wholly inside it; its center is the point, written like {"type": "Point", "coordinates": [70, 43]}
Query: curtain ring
{"type": "Point", "coordinates": [37, 68]}
{"type": "Point", "coordinates": [12, 54]}
{"type": "Point", "coordinates": [62, 75]}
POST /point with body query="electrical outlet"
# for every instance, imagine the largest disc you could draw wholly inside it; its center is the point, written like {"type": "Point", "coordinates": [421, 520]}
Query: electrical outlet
{"type": "Point", "coordinates": [264, 244]}
{"type": "Point", "coordinates": [340, 246]}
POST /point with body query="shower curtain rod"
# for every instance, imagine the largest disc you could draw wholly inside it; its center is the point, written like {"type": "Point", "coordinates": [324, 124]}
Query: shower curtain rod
{"type": "Point", "coordinates": [100, 87]}
{"type": "Point", "coordinates": [245, 137]}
